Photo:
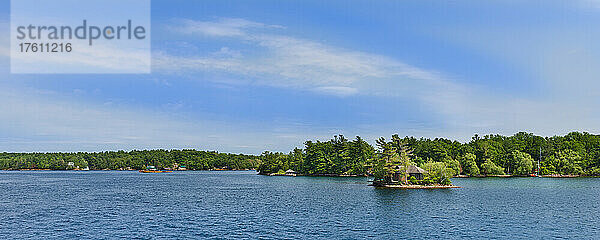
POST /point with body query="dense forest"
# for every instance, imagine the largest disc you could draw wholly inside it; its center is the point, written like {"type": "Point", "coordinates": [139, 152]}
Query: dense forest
{"type": "Point", "coordinates": [192, 159]}
{"type": "Point", "coordinates": [573, 154]}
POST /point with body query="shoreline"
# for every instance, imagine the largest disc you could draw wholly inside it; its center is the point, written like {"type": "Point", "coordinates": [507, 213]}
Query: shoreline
{"type": "Point", "coordinates": [311, 175]}
{"type": "Point", "coordinates": [526, 176]}
{"type": "Point", "coordinates": [458, 176]}
{"type": "Point", "coordinates": [318, 175]}
{"type": "Point", "coordinates": [418, 186]}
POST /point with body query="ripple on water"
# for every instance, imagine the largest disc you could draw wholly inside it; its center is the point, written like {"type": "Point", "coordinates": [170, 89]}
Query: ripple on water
{"type": "Point", "coordinates": [68, 205]}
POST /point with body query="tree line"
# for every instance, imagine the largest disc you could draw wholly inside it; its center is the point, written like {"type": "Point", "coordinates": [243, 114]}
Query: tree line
{"type": "Point", "coordinates": [336, 156]}
{"type": "Point", "coordinates": [136, 160]}
{"type": "Point", "coordinates": [576, 153]}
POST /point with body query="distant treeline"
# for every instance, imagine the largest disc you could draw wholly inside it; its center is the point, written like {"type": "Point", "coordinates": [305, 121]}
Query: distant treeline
{"type": "Point", "coordinates": [573, 154]}
{"type": "Point", "coordinates": [191, 159]}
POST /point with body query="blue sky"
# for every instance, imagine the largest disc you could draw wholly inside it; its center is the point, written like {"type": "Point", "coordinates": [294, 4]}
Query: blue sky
{"type": "Point", "coordinates": [249, 76]}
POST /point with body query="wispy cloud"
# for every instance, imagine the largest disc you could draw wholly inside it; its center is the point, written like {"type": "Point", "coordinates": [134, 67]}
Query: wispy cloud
{"type": "Point", "coordinates": [339, 91]}
{"type": "Point", "coordinates": [225, 27]}
{"type": "Point", "coordinates": [45, 121]}
{"type": "Point", "coordinates": [269, 55]}
{"type": "Point", "coordinates": [298, 63]}
{"type": "Point", "coordinates": [290, 62]}
{"type": "Point", "coordinates": [286, 61]}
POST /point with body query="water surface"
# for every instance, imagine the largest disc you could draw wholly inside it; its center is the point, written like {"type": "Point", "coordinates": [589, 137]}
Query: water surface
{"type": "Point", "coordinates": [214, 205]}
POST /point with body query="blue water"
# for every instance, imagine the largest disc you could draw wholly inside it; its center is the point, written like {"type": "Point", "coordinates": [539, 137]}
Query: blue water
{"type": "Point", "coordinates": [207, 205]}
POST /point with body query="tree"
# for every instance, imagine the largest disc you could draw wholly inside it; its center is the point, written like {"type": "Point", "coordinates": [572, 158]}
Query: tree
{"type": "Point", "coordinates": [453, 164]}
{"type": "Point", "coordinates": [469, 165]}
{"type": "Point", "coordinates": [564, 162]}
{"type": "Point", "coordinates": [490, 168]}
{"type": "Point", "coordinates": [437, 172]}
{"type": "Point", "coordinates": [394, 153]}
{"type": "Point", "coordinates": [574, 153]}
{"type": "Point", "coordinates": [523, 162]}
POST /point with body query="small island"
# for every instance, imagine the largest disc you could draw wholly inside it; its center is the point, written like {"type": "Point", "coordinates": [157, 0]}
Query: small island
{"type": "Point", "coordinates": [414, 178]}
{"type": "Point", "coordinates": [520, 155]}
{"type": "Point", "coordinates": [394, 169]}
{"type": "Point", "coordinates": [390, 165]}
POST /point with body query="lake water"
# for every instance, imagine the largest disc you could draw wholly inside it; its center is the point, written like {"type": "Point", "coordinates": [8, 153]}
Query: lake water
{"type": "Point", "coordinates": [204, 205]}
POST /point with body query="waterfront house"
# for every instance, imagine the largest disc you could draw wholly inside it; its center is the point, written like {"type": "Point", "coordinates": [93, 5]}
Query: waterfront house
{"type": "Point", "coordinates": [416, 172]}
{"type": "Point", "coordinates": [413, 171]}
{"type": "Point", "coordinates": [290, 172]}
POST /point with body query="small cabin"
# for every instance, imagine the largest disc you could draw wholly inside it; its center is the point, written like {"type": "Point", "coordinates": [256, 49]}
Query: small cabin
{"type": "Point", "coordinates": [412, 171]}
{"type": "Point", "coordinates": [290, 172]}
{"type": "Point", "coordinates": [416, 172]}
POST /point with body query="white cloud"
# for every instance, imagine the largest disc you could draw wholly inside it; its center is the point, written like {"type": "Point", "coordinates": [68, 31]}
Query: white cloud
{"type": "Point", "coordinates": [291, 62]}
{"type": "Point", "coordinates": [37, 121]}
{"type": "Point", "coordinates": [304, 64]}
{"type": "Point", "coordinates": [339, 91]}
{"type": "Point", "coordinates": [224, 27]}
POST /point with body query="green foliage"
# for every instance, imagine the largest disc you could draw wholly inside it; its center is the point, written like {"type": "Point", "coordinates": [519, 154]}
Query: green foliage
{"type": "Point", "coordinates": [594, 171]}
{"type": "Point", "coordinates": [523, 162]}
{"type": "Point", "coordinates": [393, 154]}
{"type": "Point", "coordinates": [469, 165]}
{"type": "Point", "coordinates": [574, 153]}
{"type": "Point", "coordinates": [413, 180]}
{"type": "Point", "coordinates": [336, 156]}
{"type": "Point", "coordinates": [490, 168]}
{"type": "Point", "coordinates": [379, 171]}
{"type": "Point", "coordinates": [454, 165]}
{"type": "Point", "coordinates": [565, 162]}
{"type": "Point", "coordinates": [438, 172]}
{"type": "Point", "coordinates": [446, 181]}
{"type": "Point", "coordinates": [192, 159]}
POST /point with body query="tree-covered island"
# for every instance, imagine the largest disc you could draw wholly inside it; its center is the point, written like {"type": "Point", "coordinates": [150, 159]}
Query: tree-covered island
{"type": "Point", "coordinates": [575, 154]}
